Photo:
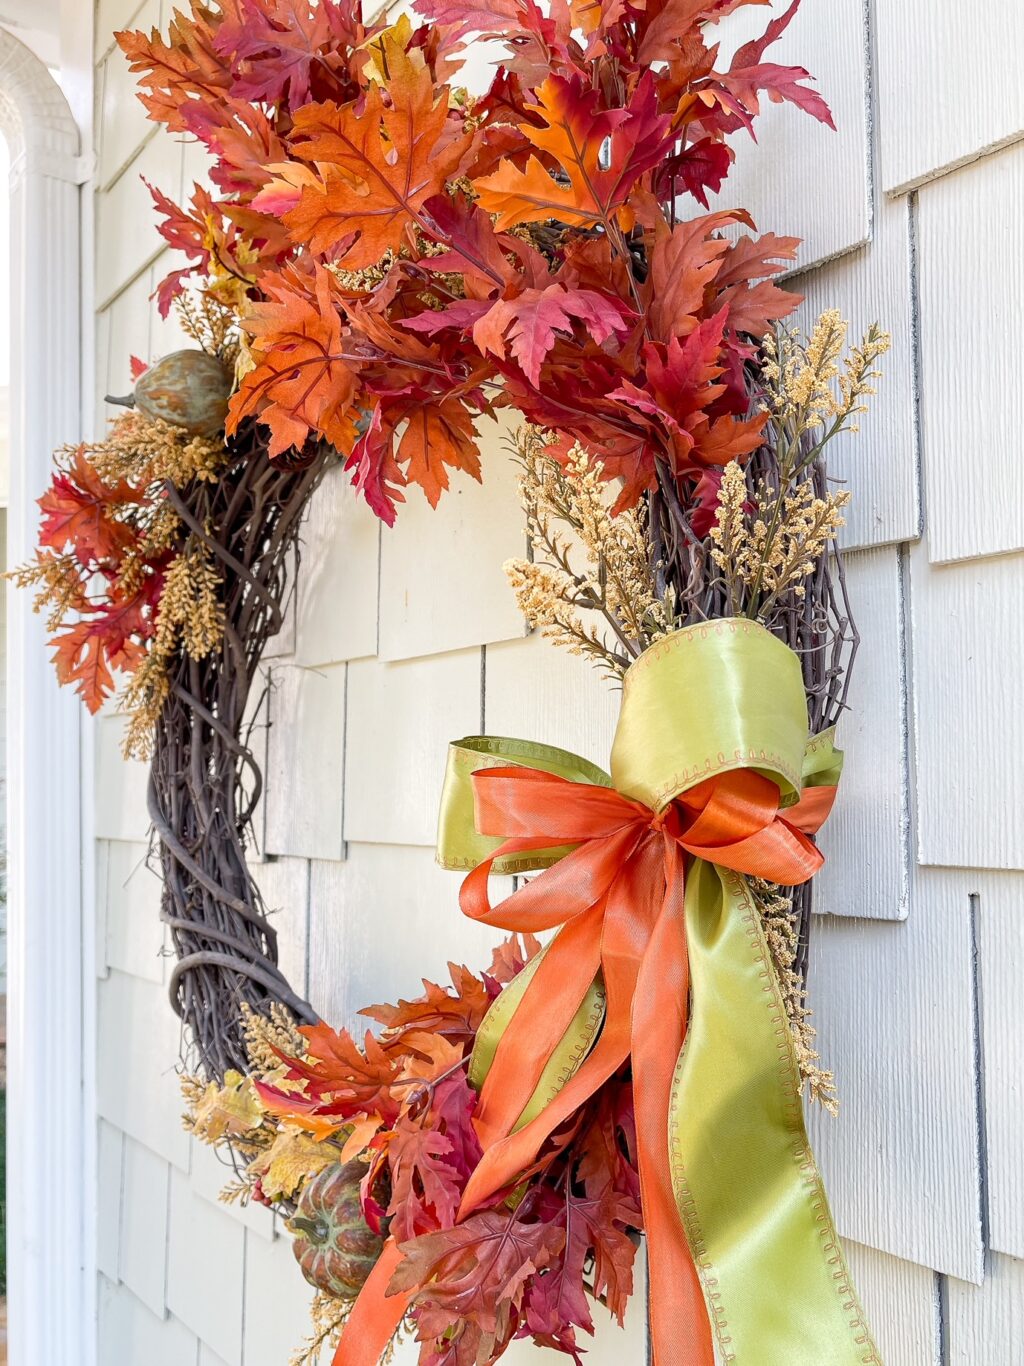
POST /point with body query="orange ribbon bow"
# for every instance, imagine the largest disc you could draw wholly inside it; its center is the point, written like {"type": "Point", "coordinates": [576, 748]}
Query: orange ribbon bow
{"type": "Point", "coordinates": [619, 899]}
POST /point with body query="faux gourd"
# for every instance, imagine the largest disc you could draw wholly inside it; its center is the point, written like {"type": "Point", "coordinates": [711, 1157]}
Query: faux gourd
{"type": "Point", "coordinates": [334, 1245]}
{"type": "Point", "coordinates": [188, 389]}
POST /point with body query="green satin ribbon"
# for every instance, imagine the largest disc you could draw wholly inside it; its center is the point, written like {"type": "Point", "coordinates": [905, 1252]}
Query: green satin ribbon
{"type": "Point", "coordinates": [576, 1044]}
{"type": "Point", "coordinates": [747, 1187]}
{"type": "Point", "coordinates": [705, 700]}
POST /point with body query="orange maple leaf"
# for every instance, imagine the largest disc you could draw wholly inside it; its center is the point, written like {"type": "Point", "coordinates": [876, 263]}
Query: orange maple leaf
{"type": "Point", "coordinates": [377, 164]}
{"type": "Point", "coordinates": [600, 154]}
{"type": "Point", "coordinates": [302, 381]}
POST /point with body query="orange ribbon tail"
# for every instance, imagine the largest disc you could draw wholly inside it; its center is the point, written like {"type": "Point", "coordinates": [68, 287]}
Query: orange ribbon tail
{"type": "Point", "coordinates": [376, 1316]}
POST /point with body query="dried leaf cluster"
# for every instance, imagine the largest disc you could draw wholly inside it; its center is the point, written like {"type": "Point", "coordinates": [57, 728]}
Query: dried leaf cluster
{"type": "Point", "coordinates": [407, 256]}
{"type": "Point", "coordinates": [272, 1158]}
{"type": "Point", "coordinates": [123, 579]}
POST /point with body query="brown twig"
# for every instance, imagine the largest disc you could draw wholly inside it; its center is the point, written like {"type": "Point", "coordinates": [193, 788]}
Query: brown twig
{"type": "Point", "coordinates": [205, 780]}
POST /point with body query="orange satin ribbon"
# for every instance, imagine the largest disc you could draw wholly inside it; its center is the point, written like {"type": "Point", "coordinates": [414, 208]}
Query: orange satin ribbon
{"type": "Point", "coordinates": [617, 899]}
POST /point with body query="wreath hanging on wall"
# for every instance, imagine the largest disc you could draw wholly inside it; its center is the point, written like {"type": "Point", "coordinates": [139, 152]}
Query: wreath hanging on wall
{"type": "Point", "coordinates": [382, 258]}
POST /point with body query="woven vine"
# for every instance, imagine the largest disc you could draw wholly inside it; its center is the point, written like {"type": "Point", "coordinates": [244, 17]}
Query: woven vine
{"type": "Point", "coordinates": [205, 782]}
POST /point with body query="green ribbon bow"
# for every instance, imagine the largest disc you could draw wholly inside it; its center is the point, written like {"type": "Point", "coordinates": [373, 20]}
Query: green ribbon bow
{"type": "Point", "coordinates": [710, 698]}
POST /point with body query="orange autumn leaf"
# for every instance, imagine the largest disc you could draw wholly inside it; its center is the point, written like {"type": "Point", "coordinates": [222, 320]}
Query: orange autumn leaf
{"type": "Point", "coordinates": [108, 636]}
{"type": "Point", "coordinates": [438, 436]}
{"type": "Point", "coordinates": [360, 1133]}
{"type": "Point", "coordinates": [599, 155]}
{"type": "Point", "coordinates": [301, 381]}
{"type": "Point", "coordinates": [377, 165]}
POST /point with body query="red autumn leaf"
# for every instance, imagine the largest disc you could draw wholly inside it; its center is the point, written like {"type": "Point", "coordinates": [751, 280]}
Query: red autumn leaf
{"type": "Point", "coordinates": [748, 76]}
{"type": "Point", "coordinates": [243, 150]}
{"type": "Point", "coordinates": [378, 165]}
{"type": "Point", "coordinates": [680, 376]}
{"type": "Point", "coordinates": [374, 472]}
{"type": "Point", "coordinates": [274, 47]}
{"type": "Point", "coordinates": [529, 323]}
{"type": "Point", "coordinates": [303, 381]}
{"type": "Point", "coordinates": [473, 247]}
{"type": "Point", "coordinates": [476, 1271]}
{"type": "Point", "coordinates": [557, 1302]}
{"type": "Point", "coordinates": [608, 1150]}
{"type": "Point", "coordinates": [605, 1221]}
{"type": "Point", "coordinates": [138, 367]}
{"type": "Point", "coordinates": [452, 1108]}
{"type": "Point", "coordinates": [78, 512]}
{"type": "Point", "coordinates": [600, 152]}
{"type": "Point", "coordinates": [425, 1190]}
{"type": "Point", "coordinates": [702, 166]}
{"type": "Point", "coordinates": [500, 17]}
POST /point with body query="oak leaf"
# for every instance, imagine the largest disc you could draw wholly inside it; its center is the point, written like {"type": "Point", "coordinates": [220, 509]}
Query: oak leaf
{"type": "Point", "coordinates": [181, 71]}
{"type": "Point", "coordinates": [599, 153]}
{"type": "Point", "coordinates": [437, 436]}
{"type": "Point", "coordinates": [229, 1111]}
{"type": "Point", "coordinates": [748, 76]}
{"type": "Point", "coordinates": [456, 1015]}
{"type": "Point", "coordinates": [293, 1158]}
{"type": "Point", "coordinates": [377, 165]}
{"type": "Point", "coordinates": [529, 324]}
{"type": "Point", "coordinates": [109, 635]}
{"type": "Point", "coordinates": [302, 380]}
{"type": "Point", "coordinates": [77, 512]}
{"type": "Point", "coordinates": [476, 1271]}
{"type": "Point", "coordinates": [274, 48]}
{"type": "Point", "coordinates": [425, 1191]}
{"type": "Point", "coordinates": [375, 473]}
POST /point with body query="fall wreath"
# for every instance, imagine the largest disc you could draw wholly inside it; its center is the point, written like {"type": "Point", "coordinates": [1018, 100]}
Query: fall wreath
{"type": "Point", "coordinates": [382, 258]}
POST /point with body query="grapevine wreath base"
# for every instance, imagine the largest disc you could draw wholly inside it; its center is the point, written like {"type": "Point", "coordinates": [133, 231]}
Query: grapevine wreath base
{"type": "Point", "coordinates": [384, 257]}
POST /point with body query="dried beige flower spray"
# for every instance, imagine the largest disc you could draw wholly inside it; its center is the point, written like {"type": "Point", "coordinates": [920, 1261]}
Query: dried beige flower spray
{"type": "Point", "coordinates": [769, 539]}
{"type": "Point", "coordinates": [588, 586]}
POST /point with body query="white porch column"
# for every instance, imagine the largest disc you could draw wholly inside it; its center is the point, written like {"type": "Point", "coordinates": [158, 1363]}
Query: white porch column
{"type": "Point", "coordinates": [49, 1131]}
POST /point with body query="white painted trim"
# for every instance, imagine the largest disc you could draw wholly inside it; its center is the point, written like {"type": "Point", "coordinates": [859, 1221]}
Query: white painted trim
{"type": "Point", "coordinates": [51, 1112]}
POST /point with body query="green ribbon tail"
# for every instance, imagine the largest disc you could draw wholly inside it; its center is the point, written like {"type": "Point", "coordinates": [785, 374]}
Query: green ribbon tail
{"type": "Point", "coordinates": [568, 1057]}
{"type": "Point", "coordinates": [748, 1191]}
